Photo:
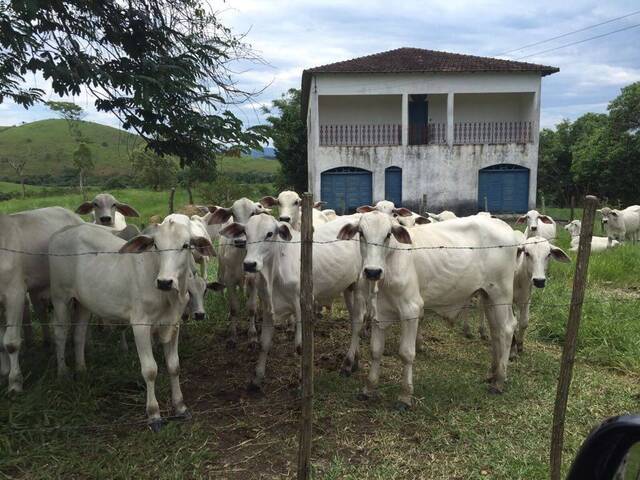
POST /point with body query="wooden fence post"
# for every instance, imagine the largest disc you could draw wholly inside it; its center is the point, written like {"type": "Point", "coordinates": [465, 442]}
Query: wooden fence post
{"type": "Point", "coordinates": [569, 347]}
{"type": "Point", "coordinates": [573, 208]}
{"type": "Point", "coordinates": [171, 195]}
{"type": "Point", "coordinates": [544, 205]}
{"type": "Point", "coordinates": [306, 307]}
{"type": "Point", "coordinates": [424, 204]}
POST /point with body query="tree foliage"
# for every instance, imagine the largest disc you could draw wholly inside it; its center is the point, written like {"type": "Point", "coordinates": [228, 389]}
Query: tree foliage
{"type": "Point", "coordinates": [596, 154]}
{"type": "Point", "coordinates": [289, 134]}
{"type": "Point", "coordinates": [152, 170]}
{"type": "Point", "coordinates": [162, 67]}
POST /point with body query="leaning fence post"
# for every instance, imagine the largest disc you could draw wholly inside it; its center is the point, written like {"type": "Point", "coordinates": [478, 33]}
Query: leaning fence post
{"type": "Point", "coordinates": [569, 348]}
{"type": "Point", "coordinates": [424, 204]}
{"type": "Point", "coordinates": [171, 195]}
{"type": "Point", "coordinates": [573, 208]}
{"type": "Point", "coordinates": [306, 307]}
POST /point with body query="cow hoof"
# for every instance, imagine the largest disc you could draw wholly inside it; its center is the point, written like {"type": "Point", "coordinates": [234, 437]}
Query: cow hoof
{"type": "Point", "coordinates": [231, 344]}
{"type": "Point", "coordinates": [468, 335]}
{"type": "Point", "coordinates": [254, 388]}
{"type": "Point", "coordinates": [155, 425]}
{"type": "Point", "coordinates": [252, 345]}
{"type": "Point", "coordinates": [345, 371]}
{"type": "Point", "coordinates": [401, 407]}
{"type": "Point", "coordinates": [184, 416]}
{"type": "Point", "coordinates": [363, 397]}
{"type": "Point", "coordinates": [495, 390]}
{"type": "Point", "coordinates": [299, 349]}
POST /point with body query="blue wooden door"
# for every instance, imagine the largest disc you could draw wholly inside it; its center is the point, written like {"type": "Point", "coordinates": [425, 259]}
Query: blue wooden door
{"type": "Point", "coordinates": [506, 188]}
{"type": "Point", "coordinates": [393, 185]}
{"type": "Point", "coordinates": [345, 189]}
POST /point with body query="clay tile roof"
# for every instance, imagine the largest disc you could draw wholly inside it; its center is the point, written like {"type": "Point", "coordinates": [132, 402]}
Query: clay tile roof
{"type": "Point", "coordinates": [418, 60]}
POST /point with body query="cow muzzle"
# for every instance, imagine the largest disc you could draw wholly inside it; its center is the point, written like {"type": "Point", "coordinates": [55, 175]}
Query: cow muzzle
{"type": "Point", "coordinates": [284, 218]}
{"type": "Point", "coordinates": [105, 221]}
{"type": "Point", "coordinates": [373, 273]}
{"type": "Point", "coordinates": [534, 228]}
{"type": "Point", "coordinates": [164, 285]}
{"type": "Point", "coordinates": [250, 267]}
{"type": "Point", "coordinates": [539, 282]}
{"type": "Point", "coordinates": [199, 316]}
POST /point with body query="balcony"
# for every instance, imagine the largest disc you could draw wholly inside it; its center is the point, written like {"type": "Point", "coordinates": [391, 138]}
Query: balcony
{"type": "Point", "coordinates": [360, 135]}
{"type": "Point", "coordinates": [474, 133]}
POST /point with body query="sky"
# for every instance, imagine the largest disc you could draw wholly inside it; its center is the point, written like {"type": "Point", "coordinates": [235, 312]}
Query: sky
{"type": "Point", "coordinates": [290, 35]}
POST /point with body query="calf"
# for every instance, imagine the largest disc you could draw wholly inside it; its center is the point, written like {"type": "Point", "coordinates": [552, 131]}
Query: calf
{"type": "Point", "coordinates": [150, 288]}
{"type": "Point", "coordinates": [598, 244]}
{"type": "Point", "coordinates": [621, 225]}
{"type": "Point", "coordinates": [538, 225]}
{"type": "Point", "coordinates": [416, 270]}
{"type": "Point", "coordinates": [108, 211]}
{"type": "Point", "coordinates": [22, 273]}
{"type": "Point", "coordinates": [290, 207]}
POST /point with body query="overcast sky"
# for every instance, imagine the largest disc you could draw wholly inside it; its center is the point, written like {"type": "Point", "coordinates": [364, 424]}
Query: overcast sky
{"type": "Point", "coordinates": [291, 35]}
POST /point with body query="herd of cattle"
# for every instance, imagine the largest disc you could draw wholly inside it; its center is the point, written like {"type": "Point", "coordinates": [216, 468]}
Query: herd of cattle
{"type": "Point", "coordinates": [388, 263]}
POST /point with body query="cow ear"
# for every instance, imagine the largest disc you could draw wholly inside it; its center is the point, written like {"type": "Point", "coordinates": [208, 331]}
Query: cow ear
{"type": "Point", "coordinates": [220, 215]}
{"type": "Point", "coordinates": [521, 219]}
{"type": "Point", "coordinates": [365, 209]}
{"type": "Point", "coordinates": [401, 234]}
{"type": "Point", "coordinates": [232, 231]}
{"type": "Point", "coordinates": [203, 210]}
{"type": "Point", "coordinates": [614, 213]}
{"type": "Point", "coordinates": [546, 219]}
{"type": "Point", "coordinates": [268, 201]}
{"type": "Point", "coordinates": [127, 210]}
{"type": "Point", "coordinates": [348, 231]}
{"type": "Point", "coordinates": [284, 232]}
{"type": "Point", "coordinates": [137, 244]}
{"type": "Point", "coordinates": [84, 208]}
{"type": "Point", "coordinates": [212, 208]}
{"type": "Point", "coordinates": [318, 205]}
{"type": "Point", "coordinates": [402, 212]}
{"type": "Point", "coordinates": [216, 286]}
{"type": "Point", "coordinates": [559, 255]}
{"type": "Point", "coordinates": [203, 246]}
{"type": "Point", "coordinates": [422, 220]}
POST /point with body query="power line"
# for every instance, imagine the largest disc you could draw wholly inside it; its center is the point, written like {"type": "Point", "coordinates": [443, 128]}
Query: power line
{"type": "Point", "coordinates": [569, 33]}
{"type": "Point", "coordinates": [579, 41]}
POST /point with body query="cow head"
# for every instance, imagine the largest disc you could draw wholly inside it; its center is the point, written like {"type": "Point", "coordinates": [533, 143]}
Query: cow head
{"type": "Point", "coordinates": [379, 235]}
{"type": "Point", "coordinates": [197, 287]}
{"type": "Point", "coordinates": [289, 204]}
{"type": "Point", "coordinates": [573, 227]}
{"type": "Point", "coordinates": [172, 241]}
{"type": "Point", "coordinates": [241, 211]}
{"type": "Point", "coordinates": [260, 231]}
{"type": "Point", "coordinates": [536, 252]}
{"type": "Point", "coordinates": [533, 218]}
{"type": "Point", "coordinates": [104, 207]}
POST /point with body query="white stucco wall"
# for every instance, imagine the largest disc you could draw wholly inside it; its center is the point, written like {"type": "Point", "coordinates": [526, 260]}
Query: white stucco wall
{"type": "Point", "coordinates": [360, 109]}
{"type": "Point", "coordinates": [492, 107]}
{"type": "Point", "coordinates": [437, 105]}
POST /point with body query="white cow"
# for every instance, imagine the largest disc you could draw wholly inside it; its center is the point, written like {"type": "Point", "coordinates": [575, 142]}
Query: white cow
{"type": "Point", "coordinates": [231, 275]}
{"type": "Point", "coordinates": [108, 211]}
{"type": "Point", "coordinates": [290, 209]}
{"type": "Point", "coordinates": [442, 216]}
{"type": "Point", "coordinates": [414, 272]}
{"type": "Point", "coordinates": [20, 273]}
{"type": "Point", "coordinates": [532, 264]}
{"type": "Point", "coordinates": [598, 244]}
{"type": "Point", "coordinates": [538, 225]}
{"type": "Point", "coordinates": [330, 214]}
{"type": "Point", "coordinates": [273, 254]}
{"type": "Point", "coordinates": [150, 288]}
{"type": "Point", "coordinates": [621, 225]}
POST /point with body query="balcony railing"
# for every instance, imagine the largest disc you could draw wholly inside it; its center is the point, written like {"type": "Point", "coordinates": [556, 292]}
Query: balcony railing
{"type": "Point", "coordinates": [470, 133]}
{"type": "Point", "coordinates": [464, 133]}
{"type": "Point", "coordinates": [363, 135]}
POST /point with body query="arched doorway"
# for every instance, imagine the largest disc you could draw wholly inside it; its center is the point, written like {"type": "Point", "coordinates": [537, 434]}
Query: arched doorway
{"type": "Point", "coordinates": [393, 185]}
{"type": "Point", "coordinates": [506, 188]}
{"type": "Point", "coordinates": [346, 188]}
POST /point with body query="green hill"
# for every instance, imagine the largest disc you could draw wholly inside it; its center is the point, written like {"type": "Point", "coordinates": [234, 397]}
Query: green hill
{"type": "Point", "coordinates": [48, 147]}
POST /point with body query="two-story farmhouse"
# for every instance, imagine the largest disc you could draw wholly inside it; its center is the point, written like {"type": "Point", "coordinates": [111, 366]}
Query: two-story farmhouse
{"type": "Point", "coordinates": [398, 125]}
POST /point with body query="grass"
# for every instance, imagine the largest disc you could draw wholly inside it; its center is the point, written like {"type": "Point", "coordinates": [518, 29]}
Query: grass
{"type": "Point", "coordinates": [455, 431]}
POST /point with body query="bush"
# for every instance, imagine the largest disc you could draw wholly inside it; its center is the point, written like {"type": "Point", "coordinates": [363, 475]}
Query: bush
{"type": "Point", "coordinates": [224, 191]}
{"type": "Point", "coordinates": [118, 182]}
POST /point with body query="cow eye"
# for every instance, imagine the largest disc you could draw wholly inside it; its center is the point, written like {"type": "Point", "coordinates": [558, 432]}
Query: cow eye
{"type": "Point", "coordinates": [269, 235]}
{"type": "Point", "coordinates": [95, 204]}
{"type": "Point", "coordinates": [389, 235]}
{"type": "Point", "coordinates": [527, 254]}
{"type": "Point", "coordinates": [186, 245]}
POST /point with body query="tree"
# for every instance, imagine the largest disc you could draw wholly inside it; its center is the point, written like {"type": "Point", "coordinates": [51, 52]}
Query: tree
{"type": "Point", "coordinates": [624, 110]}
{"type": "Point", "coordinates": [191, 175]}
{"type": "Point", "coordinates": [153, 170]}
{"type": "Point", "coordinates": [164, 68]}
{"type": "Point", "coordinates": [289, 134]}
{"type": "Point", "coordinates": [18, 165]}
{"type": "Point", "coordinates": [70, 113]}
{"type": "Point", "coordinates": [83, 161]}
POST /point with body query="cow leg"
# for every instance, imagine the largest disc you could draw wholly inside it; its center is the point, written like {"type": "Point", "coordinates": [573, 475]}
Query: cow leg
{"type": "Point", "coordinates": [252, 307]}
{"type": "Point", "coordinates": [41, 309]}
{"type": "Point", "coordinates": [482, 325]}
{"type": "Point", "coordinates": [266, 338]}
{"type": "Point", "coordinates": [124, 346]}
{"type": "Point", "coordinates": [501, 325]}
{"type": "Point", "coordinates": [234, 308]}
{"type": "Point", "coordinates": [4, 356]}
{"type": "Point", "coordinates": [62, 313]}
{"type": "Point", "coordinates": [466, 325]}
{"type": "Point", "coordinates": [377, 349]}
{"type": "Point", "coordinates": [407, 352]}
{"type": "Point", "coordinates": [356, 306]}
{"type": "Point", "coordinates": [14, 305]}
{"type": "Point", "coordinates": [81, 318]}
{"type": "Point", "coordinates": [27, 325]}
{"type": "Point", "coordinates": [523, 323]}
{"type": "Point", "coordinates": [149, 369]}
{"type": "Point", "coordinates": [173, 367]}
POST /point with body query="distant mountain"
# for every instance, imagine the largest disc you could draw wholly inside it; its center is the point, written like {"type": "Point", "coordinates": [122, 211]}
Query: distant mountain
{"type": "Point", "coordinates": [268, 152]}
{"type": "Point", "coordinates": [48, 147]}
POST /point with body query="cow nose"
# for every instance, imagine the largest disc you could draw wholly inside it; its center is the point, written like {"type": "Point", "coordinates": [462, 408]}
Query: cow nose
{"type": "Point", "coordinates": [373, 273]}
{"type": "Point", "coordinates": [250, 267]}
{"type": "Point", "coordinates": [104, 220]}
{"type": "Point", "coordinates": [198, 315]}
{"type": "Point", "coordinates": [164, 284]}
{"type": "Point", "coordinates": [284, 218]}
{"type": "Point", "coordinates": [539, 282]}
{"type": "Point", "coordinates": [534, 227]}
{"type": "Point", "coordinates": [240, 243]}
{"type": "Point", "coordinates": [604, 221]}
